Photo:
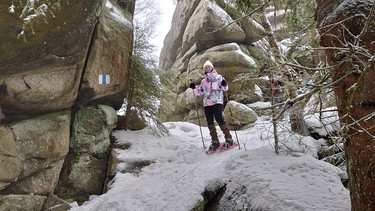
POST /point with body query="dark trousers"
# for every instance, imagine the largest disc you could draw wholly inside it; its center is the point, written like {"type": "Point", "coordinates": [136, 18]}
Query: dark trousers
{"type": "Point", "coordinates": [214, 111]}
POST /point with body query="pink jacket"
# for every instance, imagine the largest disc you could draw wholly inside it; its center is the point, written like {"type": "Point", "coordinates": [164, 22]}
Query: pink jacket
{"type": "Point", "coordinates": [212, 89]}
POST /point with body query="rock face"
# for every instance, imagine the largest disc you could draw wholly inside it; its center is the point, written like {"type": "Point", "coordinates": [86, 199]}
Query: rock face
{"type": "Point", "coordinates": [53, 55]}
{"type": "Point", "coordinates": [109, 54]}
{"type": "Point", "coordinates": [42, 144]}
{"type": "Point", "coordinates": [44, 66]}
{"type": "Point", "coordinates": [204, 30]}
{"type": "Point", "coordinates": [22, 202]}
{"type": "Point", "coordinates": [85, 169]}
{"type": "Point", "coordinates": [42, 63]}
{"type": "Point", "coordinates": [11, 164]}
{"type": "Point", "coordinates": [206, 26]}
{"type": "Point", "coordinates": [238, 114]}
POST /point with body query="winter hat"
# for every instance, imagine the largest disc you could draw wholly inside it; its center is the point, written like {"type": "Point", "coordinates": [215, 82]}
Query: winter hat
{"type": "Point", "coordinates": [208, 63]}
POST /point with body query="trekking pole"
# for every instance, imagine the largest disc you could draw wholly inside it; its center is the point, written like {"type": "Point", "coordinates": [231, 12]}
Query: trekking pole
{"type": "Point", "coordinates": [199, 121]}
{"type": "Point", "coordinates": [231, 115]}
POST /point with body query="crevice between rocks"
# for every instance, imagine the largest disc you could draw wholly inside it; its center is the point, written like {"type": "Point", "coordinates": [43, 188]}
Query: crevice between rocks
{"type": "Point", "coordinates": [211, 198]}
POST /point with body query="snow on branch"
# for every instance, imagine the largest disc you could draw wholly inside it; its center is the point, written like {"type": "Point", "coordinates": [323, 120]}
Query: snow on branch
{"type": "Point", "coordinates": [33, 11]}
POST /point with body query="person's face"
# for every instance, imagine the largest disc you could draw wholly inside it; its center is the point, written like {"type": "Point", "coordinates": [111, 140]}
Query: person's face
{"type": "Point", "coordinates": [207, 69]}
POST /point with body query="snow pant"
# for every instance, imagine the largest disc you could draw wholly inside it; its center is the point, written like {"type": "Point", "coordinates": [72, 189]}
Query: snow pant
{"type": "Point", "coordinates": [276, 99]}
{"type": "Point", "coordinates": [212, 112]}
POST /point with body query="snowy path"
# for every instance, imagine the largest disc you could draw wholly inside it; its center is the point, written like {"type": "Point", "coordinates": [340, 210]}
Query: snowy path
{"type": "Point", "coordinates": [180, 171]}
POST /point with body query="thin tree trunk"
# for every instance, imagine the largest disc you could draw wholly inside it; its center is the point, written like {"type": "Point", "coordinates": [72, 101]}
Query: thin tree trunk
{"type": "Point", "coordinates": [296, 115]}
{"type": "Point", "coordinates": [130, 96]}
{"type": "Point", "coordinates": [128, 108]}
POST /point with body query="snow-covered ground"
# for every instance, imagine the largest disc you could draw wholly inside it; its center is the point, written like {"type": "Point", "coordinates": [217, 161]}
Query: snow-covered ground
{"type": "Point", "coordinates": [254, 175]}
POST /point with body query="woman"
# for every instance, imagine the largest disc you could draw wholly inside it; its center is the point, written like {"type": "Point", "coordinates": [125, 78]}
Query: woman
{"type": "Point", "coordinates": [212, 87]}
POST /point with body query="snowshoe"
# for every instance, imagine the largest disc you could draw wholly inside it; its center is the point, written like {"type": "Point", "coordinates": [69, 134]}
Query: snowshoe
{"type": "Point", "coordinates": [215, 145]}
{"type": "Point", "coordinates": [228, 143]}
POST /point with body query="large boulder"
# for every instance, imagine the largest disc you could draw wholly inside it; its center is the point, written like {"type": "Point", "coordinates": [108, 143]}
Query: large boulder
{"type": "Point", "coordinates": [22, 202]}
{"type": "Point", "coordinates": [41, 182]}
{"type": "Point", "coordinates": [109, 55]}
{"type": "Point", "coordinates": [199, 25]}
{"type": "Point", "coordinates": [43, 51]}
{"type": "Point", "coordinates": [52, 56]}
{"type": "Point", "coordinates": [85, 168]}
{"type": "Point", "coordinates": [10, 161]}
{"type": "Point", "coordinates": [173, 40]}
{"type": "Point", "coordinates": [42, 144]}
{"type": "Point", "coordinates": [228, 59]}
{"type": "Point", "coordinates": [88, 174]}
{"type": "Point", "coordinates": [91, 129]}
{"type": "Point", "coordinates": [46, 67]}
{"type": "Point", "coordinates": [210, 25]}
{"type": "Point", "coordinates": [237, 114]}
{"type": "Point", "coordinates": [253, 29]}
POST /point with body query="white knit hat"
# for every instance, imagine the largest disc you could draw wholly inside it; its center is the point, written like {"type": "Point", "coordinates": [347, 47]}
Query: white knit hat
{"type": "Point", "coordinates": [208, 63]}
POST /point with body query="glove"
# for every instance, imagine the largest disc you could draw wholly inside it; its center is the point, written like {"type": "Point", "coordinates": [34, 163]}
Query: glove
{"type": "Point", "coordinates": [192, 85]}
{"type": "Point", "coordinates": [289, 104]}
{"type": "Point", "coordinates": [224, 83]}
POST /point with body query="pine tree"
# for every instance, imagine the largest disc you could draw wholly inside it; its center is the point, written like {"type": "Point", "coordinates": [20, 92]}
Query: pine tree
{"type": "Point", "coordinates": [143, 86]}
